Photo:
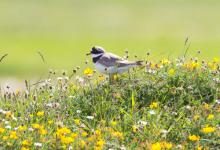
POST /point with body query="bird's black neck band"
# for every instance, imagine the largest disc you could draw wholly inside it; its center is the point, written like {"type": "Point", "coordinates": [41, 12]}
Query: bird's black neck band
{"type": "Point", "coordinates": [95, 59]}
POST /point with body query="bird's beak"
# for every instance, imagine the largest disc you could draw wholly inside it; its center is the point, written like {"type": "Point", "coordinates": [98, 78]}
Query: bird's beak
{"type": "Point", "coordinates": [88, 54]}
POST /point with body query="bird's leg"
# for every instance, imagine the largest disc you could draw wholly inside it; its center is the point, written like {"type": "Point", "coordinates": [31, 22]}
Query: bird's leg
{"type": "Point", "coordinates": [112, 78]}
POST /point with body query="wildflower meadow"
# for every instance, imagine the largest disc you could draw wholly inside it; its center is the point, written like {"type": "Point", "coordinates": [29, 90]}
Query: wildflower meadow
{"type": "Point", "coordinates": [168, 104]}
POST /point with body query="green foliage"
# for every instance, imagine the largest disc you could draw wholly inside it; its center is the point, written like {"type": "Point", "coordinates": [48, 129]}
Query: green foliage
{"type": "Point", "coordinates": [166, 105]}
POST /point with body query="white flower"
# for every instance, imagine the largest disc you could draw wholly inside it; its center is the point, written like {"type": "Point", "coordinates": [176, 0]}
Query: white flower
{"type": "Point", "coordinates": [48, 81]}
{"type": "Point", "coordinates": [71, 96]}
{"type": "Point", "coordinates": [49, 105]}
{"type": "Point", "coordinates": [59, 78]}
{"type": "Point", "coordinates": [8, 127]}
{"type": "Point", "coordinates": [217, 101]}
{"type": "Point", "coordinates": [122, 147]}
{"type": "Point", "coordinates": [59, 123]}
{"type": "Point", "coordinates": [38, 144]}
{"type": "Point", "coordinates": [152, 112]}
{"type": "Point", "coordinates": [6, 122]}
{"type": "Point", "coordinates": [80, 80]}
{"type": "Point", "coordinates": [188, 107]}
{"type": "Point", "coordinates": [164, 131]}
{"type": "Point", "coordinates": [82, 125]}
{"type": "Point", "coordinates": [14, 118]}
{"type": "Point", "coordinates": [1, 111]}
{"type": "Point", "coordinates": [179, 146]}
{"type": "Point", "coordinates": [78, 111]}
{"type": "Point", "coordinates": [90, 117]}
{"type": "Point", "coordinates": [174, 113]}
{"type": "Point", "coordinates": [30, 129]}
{"type": "Point", "coordinates": [4, 112]}
{"type": "Point", "coordinates": [151, 71]}
{"type": "Point", "coordinates": [144, 123]}
{"type": "Point", "coordinates": [179, 64]}
{"type": "Point", "coordinates": [66, 78]}
{"type": "Point", "coordinates": [217, 80]}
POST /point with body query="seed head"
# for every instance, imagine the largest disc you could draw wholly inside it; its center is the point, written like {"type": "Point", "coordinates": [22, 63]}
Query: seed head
{"type": "Point", "coordinates": [77, 67]}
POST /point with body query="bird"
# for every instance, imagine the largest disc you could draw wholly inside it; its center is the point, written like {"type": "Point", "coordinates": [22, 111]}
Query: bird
{"type": "Point", "coordinates": [109, 63]}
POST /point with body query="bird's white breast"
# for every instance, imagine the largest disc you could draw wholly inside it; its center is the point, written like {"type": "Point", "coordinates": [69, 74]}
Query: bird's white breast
{"type": "Point", "coordinates": [111, 70]}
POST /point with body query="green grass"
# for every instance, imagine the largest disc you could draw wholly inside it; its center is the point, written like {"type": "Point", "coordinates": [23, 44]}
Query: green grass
{"type": "Point", "coordinates": [65, 30]}
{"type": "Point", "coordinates": [152, 108]}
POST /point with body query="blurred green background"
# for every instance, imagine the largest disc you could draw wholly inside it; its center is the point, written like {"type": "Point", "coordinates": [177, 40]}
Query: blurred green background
{"type": "Point", "coordinates": [64, 30]}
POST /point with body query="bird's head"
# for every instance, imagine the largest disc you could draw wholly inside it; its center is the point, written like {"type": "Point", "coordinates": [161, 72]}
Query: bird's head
{"type": "Point", "coordinates": [96, 51]}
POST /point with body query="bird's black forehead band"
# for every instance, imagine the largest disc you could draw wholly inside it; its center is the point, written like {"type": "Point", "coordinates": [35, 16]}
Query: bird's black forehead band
{"type": "Point", "coordinates": [95, 51]}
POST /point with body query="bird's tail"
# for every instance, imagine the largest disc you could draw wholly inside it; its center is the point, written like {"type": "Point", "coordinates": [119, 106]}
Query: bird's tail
{"type": "Point", "coordinates": [139, 63]}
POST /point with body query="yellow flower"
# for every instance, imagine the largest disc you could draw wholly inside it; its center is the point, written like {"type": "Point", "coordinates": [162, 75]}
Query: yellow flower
{"type": "Point", "coordinates": [26, 143]}
{"type": "Point", "coordinates": [74, 135]}
{"type": "Point", "coordinates": [165, 61]}
{"type": "Point", "coordinates": [22, 128]}
{"type": "Point", "coordinates": [43, 131]}
{"type": "Point", "coordinates": [17, 91]}
{"type": "Point", "coordinates": [215, 60]}
{"type": "Point", "coordinates": [88, 72]}
{"type": "Point", "coordinates": [97, 132]}
{"type": "Point", "coordinates": [101, 78]}
{"type": "Point", "coordinates": [115, 77]}
{"type": "Point", "coordinates": [36, 126]}
{"type": "Point", "coordinates": [84, 134]}
{"type": "Point", "coordinates": [210, 116]}
{"type": "Point", "coordinates": [193, 65]}
{"type": "Point", "coordinates": [113, 123]}
{"type": "Point", "coordinates": [4, 138]}
{"type": "Point", "coordinates": [153, 105]}
{"type": "Point", "coordinates": [171, 72]}
{"type": "Point", "coordinates": [208, 129]}
{"type": "Point", "coordinates": [13, 135]}
{"type": "Point", "coordinates": [194, 138]}
{"type": "Point", "coordinates": [152, 66]}
{"type": "Point", "coordinates": [97, 148]}
{"type": "Point", "coordinates": [40, 113]}
{"type": "Point", "coordinates": [50, 122]}
{"type": "Point", "coordinates": [213, 66]}
{"type": "Point", "coordinates": [24, 148]}
{"type": "Point", "coordinates": [156, 146]}
{"type": "Point", "coordinates": [134, 128]}
{"type": "Point", "coordinates": [91, 138]}
{"type": "Point", "coordinates": [166, 145]}
{"type": "Point", "coordinates": [100, 143]}
{"type": "Point", "coordinates": [77, 121]}
{"type": "Point", "coordinates": [206, 106]}
{"type": "Point", "coordinates": [196, 117]}
{"type": "Point", "coordinates": [8, 114]}
{"type": "Point", "coordinates": [66, 140]}
{"type": "Point", "coordinates": [31, 115]}
{"type": "Point", "coordinates": [82, 143]}
{"type": "Point", "coordinates": [63, 131]}
{"type": "Point", "coordinates": [2, 130]}
{"type": "Point", "coordinates": [199, 148]}
{"type": "Point", "coordinates": [117, 134]}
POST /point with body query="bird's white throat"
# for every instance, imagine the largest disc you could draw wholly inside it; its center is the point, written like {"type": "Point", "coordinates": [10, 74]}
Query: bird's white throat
{"type": "Point", "coordinates": [96, 55]}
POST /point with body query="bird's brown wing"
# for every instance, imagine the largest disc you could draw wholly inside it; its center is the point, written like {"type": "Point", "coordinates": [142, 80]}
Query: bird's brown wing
{"type": "Point", "coordinates": [124, 63]}
{"type": "Point", "coordinates": [109, 59]}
